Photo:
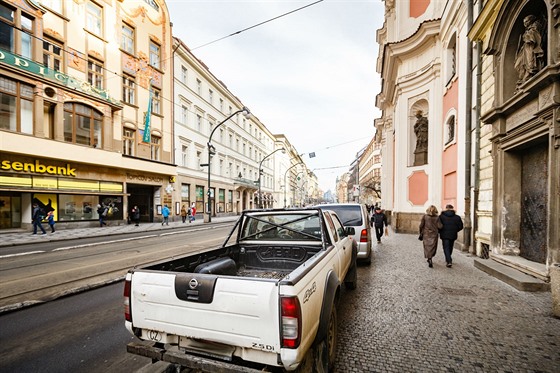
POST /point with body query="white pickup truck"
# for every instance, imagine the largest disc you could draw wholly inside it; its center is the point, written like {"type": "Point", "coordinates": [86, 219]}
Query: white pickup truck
{"type": "Point", "coordinates": [265, 300]}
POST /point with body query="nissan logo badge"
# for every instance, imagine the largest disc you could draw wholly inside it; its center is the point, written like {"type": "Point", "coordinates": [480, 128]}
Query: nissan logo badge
{"type": "Point", "coordinates": [193, 283]}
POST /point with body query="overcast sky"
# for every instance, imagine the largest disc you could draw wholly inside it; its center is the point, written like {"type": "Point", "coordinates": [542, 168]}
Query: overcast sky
{"type": "Point", "coordinates": [309, 75]}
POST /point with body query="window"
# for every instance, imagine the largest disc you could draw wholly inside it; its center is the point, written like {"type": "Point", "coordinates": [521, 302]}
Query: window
{"type": "Point", "coordinates": [26, 43]}
{"type": "Point", "coordinates": [127, 38]}
{"type": "Point", "coordinates": [82, 124]}
{"type": "Point", "coordinates": [210, 96]}
{"type": "Point", "coordinates": [52, 55]}
{"type": "Point", "coordinates": [184, 74]}
{"type": "Point", "coordinates": [198, 123]}
{"type": "Point", "coordinates": [94, 18]}
{"type": "Point", "coordinates": [16, 106]}
{"type": "Point", "coordinates": [184, 114]}
{"type": "Point", "coordinates": [184, 155]}
{"type": "Point", "coordinates": [11, 38]}
{"type": "Point", "coordinates": [155, 142]}
{"type": "Point", "coordinates": [129, 89]}
{"type": "Point", "coordinates": [450, 130]}
{"type": "Point", "coordinates": [155, 54]}
{"type": "Point", "coordinates": [95, 73]}
{"type": "Point", "coordinates": [128, 141]}
{"type": "Point", "coordinates": [221, 105]}
{"type": "Point", "coordinates": [156, 101]}
{"type": "Point", "coordinates": [198, 86]}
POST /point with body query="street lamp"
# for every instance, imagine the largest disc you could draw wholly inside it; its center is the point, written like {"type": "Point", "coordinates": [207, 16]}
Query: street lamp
{"type": "Point", "coordinates": [261, 170]}
{"type": "Point", "coordinates": [212, 151]}
{"type": "Point", "coordinates": [286, 186]}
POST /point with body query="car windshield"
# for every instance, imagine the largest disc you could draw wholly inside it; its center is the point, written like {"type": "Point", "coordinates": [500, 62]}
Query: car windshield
{"type": "Point", "coordinates": [349, 215]}
{"type": "Point", "coordinates": [290, 226]}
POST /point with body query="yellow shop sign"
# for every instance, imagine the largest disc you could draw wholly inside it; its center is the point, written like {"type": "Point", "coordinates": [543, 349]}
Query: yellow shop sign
{"type": "Point", "coordinates": [38, 168]}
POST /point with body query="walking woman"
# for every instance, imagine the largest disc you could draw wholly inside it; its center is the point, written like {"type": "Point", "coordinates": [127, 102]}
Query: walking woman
{"type": "Point", "coordinates": [429, 227]}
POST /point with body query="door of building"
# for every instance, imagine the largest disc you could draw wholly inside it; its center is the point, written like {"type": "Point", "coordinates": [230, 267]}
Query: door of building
{"type": "Point", "coordinates": [143, 197]}
{"type": "Point", "coordinates": [534, 206]}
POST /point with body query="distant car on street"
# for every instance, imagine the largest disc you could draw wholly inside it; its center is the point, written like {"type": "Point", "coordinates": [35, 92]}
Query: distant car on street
{"type": "Point", "coordinates": [355, 215]}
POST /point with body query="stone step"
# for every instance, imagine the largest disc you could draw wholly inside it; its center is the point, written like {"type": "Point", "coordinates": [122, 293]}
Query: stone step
{"type": "Point", "coordinates": [511, 276]}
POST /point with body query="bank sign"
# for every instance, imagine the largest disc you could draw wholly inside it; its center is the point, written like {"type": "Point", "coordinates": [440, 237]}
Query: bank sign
{"type": "Point", "coordinates": [35, 68]}
{"type": "Point", "coordinates": [38, 167]}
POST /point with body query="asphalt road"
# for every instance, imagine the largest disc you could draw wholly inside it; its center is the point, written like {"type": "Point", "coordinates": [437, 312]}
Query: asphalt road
{"type": "Point", "coordinates": [84, 332]}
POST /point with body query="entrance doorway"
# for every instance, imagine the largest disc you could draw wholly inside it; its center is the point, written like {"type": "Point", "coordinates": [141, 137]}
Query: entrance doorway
{"type": "Point", "coordinates": [143, 197]}
{"type": "Point", "coordinates": [534, 203]}
{"type": "Point", "coordinates": [10, 210]}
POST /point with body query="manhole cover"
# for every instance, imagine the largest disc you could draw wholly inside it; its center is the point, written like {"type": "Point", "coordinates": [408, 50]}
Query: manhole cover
{"type": "Point", "coordinates": [452, 291]}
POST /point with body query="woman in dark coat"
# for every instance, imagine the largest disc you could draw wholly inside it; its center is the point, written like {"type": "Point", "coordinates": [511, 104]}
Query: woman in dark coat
{"type": "Point", "coordinates": [429, 227]}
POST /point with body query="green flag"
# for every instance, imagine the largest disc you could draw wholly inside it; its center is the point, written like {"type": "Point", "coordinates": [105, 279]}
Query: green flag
{"type": "Point", "coordinates": [148, 118]}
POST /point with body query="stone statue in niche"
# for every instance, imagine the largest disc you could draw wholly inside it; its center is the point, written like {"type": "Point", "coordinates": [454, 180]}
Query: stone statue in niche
{"type": "Point", "coordinates": [421, 132]}
{"type": "Point", "coordinates": [529, 58]}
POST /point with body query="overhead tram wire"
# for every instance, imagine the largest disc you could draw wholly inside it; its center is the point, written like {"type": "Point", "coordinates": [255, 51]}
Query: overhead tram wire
{"type": "Point", "coordinates": [257, 25]}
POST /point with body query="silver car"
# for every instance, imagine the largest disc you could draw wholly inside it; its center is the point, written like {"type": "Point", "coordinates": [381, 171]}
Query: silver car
{"type": "Point", "coordinates": [355, 215]}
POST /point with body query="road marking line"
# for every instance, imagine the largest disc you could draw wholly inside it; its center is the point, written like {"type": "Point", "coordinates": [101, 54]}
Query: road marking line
{"type": "Point", "coordinates": [28, 253]}
{"type": "Point", "coordinates": [104, 242]}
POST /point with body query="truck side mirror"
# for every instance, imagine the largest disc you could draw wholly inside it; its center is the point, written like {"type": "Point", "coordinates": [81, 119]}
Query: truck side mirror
{"type": "Point", "coordinates": [350, 231]}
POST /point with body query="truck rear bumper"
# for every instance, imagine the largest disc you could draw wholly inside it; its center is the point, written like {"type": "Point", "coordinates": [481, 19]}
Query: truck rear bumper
{"type": "Point", "coordinates": [175, 356]}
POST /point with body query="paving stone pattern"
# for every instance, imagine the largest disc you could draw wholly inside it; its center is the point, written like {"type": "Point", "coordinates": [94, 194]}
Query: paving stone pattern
{"type": "Point", "coordinates": [406, 317]}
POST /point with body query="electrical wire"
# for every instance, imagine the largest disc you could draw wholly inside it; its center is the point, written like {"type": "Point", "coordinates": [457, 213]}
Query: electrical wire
{"type": "Point", "coordinates": [257, 25]}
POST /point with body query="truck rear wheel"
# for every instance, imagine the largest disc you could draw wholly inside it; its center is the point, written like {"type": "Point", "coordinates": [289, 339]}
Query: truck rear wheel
{"type": "Point", "coordinates": [331, 341]}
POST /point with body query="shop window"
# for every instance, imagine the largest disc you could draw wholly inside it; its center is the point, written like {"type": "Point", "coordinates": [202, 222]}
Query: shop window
{"type": "Point", "coordinates": [16, 106]}
{"type": "Point", "coordinates": [221, 205]}
{"type": "Point", "coordinates": [94, 18]}
{"type": "Point", "coordinates": [82, 125]}
{"type": "Point", "coordinates": [128, 141]}
{"type": "Point", "coordinates": [52, 55]}
{"type": "Point", "coordinates": [200, 198]}
{"type": "Point", "coordinates": [16, 31]}
{"type": "Point", "coordinates": [185, 194]}
{"type": "Point", "coordinates": [127, 38]}
{"type": "Point", "coordinates": [95, 73]}
{"type": "Point", "coordinates": [129, 89]}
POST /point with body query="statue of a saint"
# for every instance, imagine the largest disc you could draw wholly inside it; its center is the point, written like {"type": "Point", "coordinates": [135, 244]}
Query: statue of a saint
{"type": "Point", "coordinates": [421, 131]}
{"type": "Point", "coordinates": [529, 58]}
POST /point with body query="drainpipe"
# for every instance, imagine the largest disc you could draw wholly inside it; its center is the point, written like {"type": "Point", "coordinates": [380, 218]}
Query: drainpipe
{"type": "Point", "coordinates": [477, 131]}
{"type": "Point", "coordinates": [468, 133]}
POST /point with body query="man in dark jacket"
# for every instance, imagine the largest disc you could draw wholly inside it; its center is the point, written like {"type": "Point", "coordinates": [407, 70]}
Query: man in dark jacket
{"type": "Point", "coordinates": [452, 224]}
{"type": "Point", "coordinates": [378, 219]}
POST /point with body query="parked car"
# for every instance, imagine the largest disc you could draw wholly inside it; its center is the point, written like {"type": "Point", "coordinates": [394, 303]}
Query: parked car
{"type": "Point", "coordinates": [355, 215]}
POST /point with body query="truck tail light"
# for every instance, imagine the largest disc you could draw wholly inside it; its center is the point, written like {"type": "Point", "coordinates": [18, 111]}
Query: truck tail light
{"type": "Point", "coordinates": [363, 236]}
{"type": "Point", "coordinates": [127, 312]}
{"type": "Point", "coordinates": [291, 322]}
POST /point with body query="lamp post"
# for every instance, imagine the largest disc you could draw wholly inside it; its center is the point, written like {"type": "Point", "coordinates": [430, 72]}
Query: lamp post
{"type": "Point", "coordinates": [285, 185]}
{"type": "Point", "coordinates": [261, 170]}
{"type": "Point", "coordinates": [212, 151]}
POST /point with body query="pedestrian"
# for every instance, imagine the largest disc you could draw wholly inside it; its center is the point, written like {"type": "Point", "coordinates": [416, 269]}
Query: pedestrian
{"type": "Point", "coordinates": [451, 224]}
{"type": "Point", "coordinates": [135, 213]}
{"type": "Point", "coordinates": [37, 215]}
{"type": "Point", "coordinates": [165, 213]}
{"type": "Point", "coordinates": [378, 220]}
{"type": "Point", "coordinates": [50, 220]}
{"type": "Point", "coordinates": [184, 213]}
{"type": "Point", "coordinates": [102, 212]}
{"type": "Point", "coordinates": [193, 211]}
{"type": "Point", "coordinates": [429, 228]}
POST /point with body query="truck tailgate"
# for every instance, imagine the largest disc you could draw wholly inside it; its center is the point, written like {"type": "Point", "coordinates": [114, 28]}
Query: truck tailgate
{"type": "Point", "coordinates": [236, 314]}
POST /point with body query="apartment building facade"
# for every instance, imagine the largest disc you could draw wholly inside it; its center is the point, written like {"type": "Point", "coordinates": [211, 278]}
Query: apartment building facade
{"type": "Point", "coordinates": [76, 78]}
